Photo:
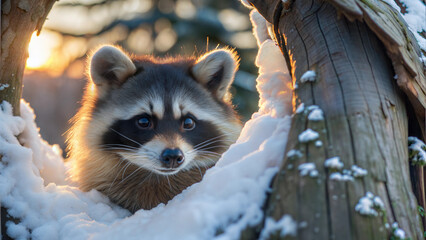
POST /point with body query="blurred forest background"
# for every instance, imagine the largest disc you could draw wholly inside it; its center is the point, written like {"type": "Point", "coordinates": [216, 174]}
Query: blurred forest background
{"type": "Point", "coordinates": [55, 73]}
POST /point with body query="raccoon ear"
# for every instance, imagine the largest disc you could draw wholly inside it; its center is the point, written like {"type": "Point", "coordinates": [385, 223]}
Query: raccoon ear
{"type": "Point", "coordinates": [216, 70]}
{"type": "Point", "coordinates": [110, 66]}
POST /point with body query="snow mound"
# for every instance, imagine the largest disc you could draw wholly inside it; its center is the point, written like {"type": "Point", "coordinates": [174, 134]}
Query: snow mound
{"type": "Point", "coordinates": [34, 186]}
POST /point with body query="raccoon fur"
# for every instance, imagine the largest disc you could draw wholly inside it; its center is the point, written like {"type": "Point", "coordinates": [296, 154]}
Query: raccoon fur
{"type": "Point", "coordinates": [149, 127]}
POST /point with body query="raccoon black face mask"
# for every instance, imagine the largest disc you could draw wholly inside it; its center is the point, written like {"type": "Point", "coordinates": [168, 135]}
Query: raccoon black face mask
{"type": "Point", "coordinates": [149, 127]}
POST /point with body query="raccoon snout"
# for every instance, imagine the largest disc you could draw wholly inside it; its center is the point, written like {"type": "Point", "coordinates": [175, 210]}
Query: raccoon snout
{"type": "Point", "coordinates": [172, 158]}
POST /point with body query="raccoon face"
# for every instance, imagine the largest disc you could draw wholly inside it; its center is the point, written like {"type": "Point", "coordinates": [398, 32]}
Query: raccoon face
{"type": "Point", "coordinates": [162, 115]}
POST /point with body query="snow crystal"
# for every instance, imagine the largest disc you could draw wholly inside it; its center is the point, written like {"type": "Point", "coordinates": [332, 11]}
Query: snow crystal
{"type": "Point", "coordinates": [369, 204]}
{"type": "Point", "coordinates": [358, 172]}
{"type": "Point", "coordinates": [318, 143]}
{"type": "Point", "coordinates": [377, 201]}
{"type": "Point", "coordinates": [313, 173]}
{"type": "Point", "coordinates": [333, 163]}
{"type": "Point", "coordinates": [308, 76]}
{"type": "Point", "coordinates": [396, 231]}
{"type": "Point", "coordinates": [417, 150]}
{"type": "Point", "coordinates": [308, 168]}
{"type": "Point", "coordinates": [365, 207]}
{"type": "Point", "coordinates": [316, 115]}
{"type": "Point", "coordinates": [3, 86]}
{"type": "Point", "coordinates": [300, 108]}
{"type": "Point", "coordinates": [308, 135]}
{"type": "Point", "coordinates": [341, 177]}
{"type": "Point", "coordinates": [399, 233]}
{"type": "Point", "coordinates": [395, 225]}
{"type": "Point", "coordinates": [230, 197]}
{"type": "Point", "coordinates": [293, 153]}
{"type": "Point", "coordinates": [312, 107]}
{"type": "Point", "coordinates": [285, 226]}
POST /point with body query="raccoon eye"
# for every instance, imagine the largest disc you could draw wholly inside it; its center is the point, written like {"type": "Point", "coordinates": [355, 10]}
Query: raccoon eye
{"type": "Point", "coordinates": [188, 123]}
{"type": "Point", "coordinates": [144, 122]}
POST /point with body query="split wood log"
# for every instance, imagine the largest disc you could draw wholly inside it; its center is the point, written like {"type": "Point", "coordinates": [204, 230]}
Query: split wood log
{"type": "Point", "coordinates": [355, 53]}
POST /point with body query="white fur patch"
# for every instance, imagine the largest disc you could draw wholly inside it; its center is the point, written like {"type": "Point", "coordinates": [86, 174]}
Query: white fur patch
{"type": "Point", "coordinates": [177, 112]}
{"type": "Point", "coordinates": [157, 107]}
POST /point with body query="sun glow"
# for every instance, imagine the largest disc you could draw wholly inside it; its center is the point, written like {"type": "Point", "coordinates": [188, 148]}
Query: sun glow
{"type": "Point", "coordinates": [41, 49]}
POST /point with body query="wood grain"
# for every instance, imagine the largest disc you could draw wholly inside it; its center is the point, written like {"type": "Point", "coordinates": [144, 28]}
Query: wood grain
{"type": "Point", "coordinates": [365, 123]}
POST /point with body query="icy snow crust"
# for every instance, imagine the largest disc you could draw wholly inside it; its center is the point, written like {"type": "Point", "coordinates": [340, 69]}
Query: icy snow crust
{"type": "Point", "coordinates": [33, 185]}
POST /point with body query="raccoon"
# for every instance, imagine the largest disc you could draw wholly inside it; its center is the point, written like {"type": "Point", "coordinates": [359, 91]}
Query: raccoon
{"type": "Point", "coordinates": [150, 127]}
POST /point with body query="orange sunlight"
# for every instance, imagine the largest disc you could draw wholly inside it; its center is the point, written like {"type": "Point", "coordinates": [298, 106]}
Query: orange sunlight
{"type": "Point", "coordinates": [41, 49]}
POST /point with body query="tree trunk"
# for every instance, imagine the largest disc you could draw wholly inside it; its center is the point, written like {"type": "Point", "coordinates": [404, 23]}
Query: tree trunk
{"type": "Point", "coordinates": [19, 19]}
{"type": "Point", "coordinates": [365, 124]}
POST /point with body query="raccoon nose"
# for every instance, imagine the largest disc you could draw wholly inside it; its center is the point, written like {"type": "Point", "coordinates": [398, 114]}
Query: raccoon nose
{"type": "Point", "coordinates": [172, 158]}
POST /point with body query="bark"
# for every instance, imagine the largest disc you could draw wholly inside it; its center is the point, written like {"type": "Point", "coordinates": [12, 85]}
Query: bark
{"type": "Point", "coordinates": [19, 19]}
{"type": "Point", "coordinates": [365, 124]}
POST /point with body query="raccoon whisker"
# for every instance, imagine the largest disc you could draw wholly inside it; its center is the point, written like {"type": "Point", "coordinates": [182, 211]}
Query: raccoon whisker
{"type": "Point", "coordinates": [145, 156]}
{"type": "Point", "coordinates": [118, 148]}
{"type": "Point", "coordinates": [209, 160]}
{"type": "Point", "coordinates": [211, 147]}
{"type": "Point", "coordinates": [222, 143]}
{"type": "Point", "coordinates": [209, 154]}
{"type": "Point", "coordinates": [116, 176]}
{"type": "Point", "coordinates": [199, 170]}
{"type": "Point", "coordinates": [118, 145]}
{"type": "Point", "coordinates": [220, 148]}
{"type": "Point", "coordinates": [168, 180]}
{"type": "Point", "coordinates": [147, 178]}
{"type": "Point", "coordinates": [137, 169]}
{"type": "Point", "coordinates": [116, 165]}
{"type": "Point", "coordinates": [217, 138]}
{"type": "Point", "coordinates": [126, 137]}
{"type": "Point", "coordinates": [212, 144]}
{"type": "Point", "coordinates": [125, 169]}
{"type": "Point", "coordinates": [205, 147]}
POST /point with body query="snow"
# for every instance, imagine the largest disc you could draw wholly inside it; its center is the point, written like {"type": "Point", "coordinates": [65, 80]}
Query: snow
{"type": "Point", "coordinates": [260, 29]}
{"type": "Point", "coordinates": [341, 177]}
{"type": "Point", "coordinates": [308, 76]}
{"type": "Point", "coordinates": [369, 205]}
{"type": "Point", "coordinates": [3, 86]}
{"type": "Point", "coordinates": [285, 226]}
{"type": "Point", "coordinates": [308, 168]}
{"type": "Point", "coordinates": [415, 18]}
{"type": "Point", "coordinates": [398, 232]}
{"type": "Point", "coordinates": [308, 135]}
{"type": "Point", "coordinates": [417, 150]}
{"type": "Point", "coordinates": [358, 172]}
{"type": "Point", "coordinates": [333, 163]}
{"type": "Point", "coordinates": [300, 108]}
{"type": "Point", "coordinates": [293, 153]}
{"type": "Point", "coordinates": [318, 143]}
{"type": "Point", "coordinates": [35, 189]}
{"type": "Point", "coordinates": [316, 115]}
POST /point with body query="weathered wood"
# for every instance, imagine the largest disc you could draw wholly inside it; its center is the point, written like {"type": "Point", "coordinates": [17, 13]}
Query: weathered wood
{"type": "Point", "coordinates": [365, 125]}
{"type": "Point", "coordinates": [401, 46]}
{"type": "Point", "coordinates": [19, 19]}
